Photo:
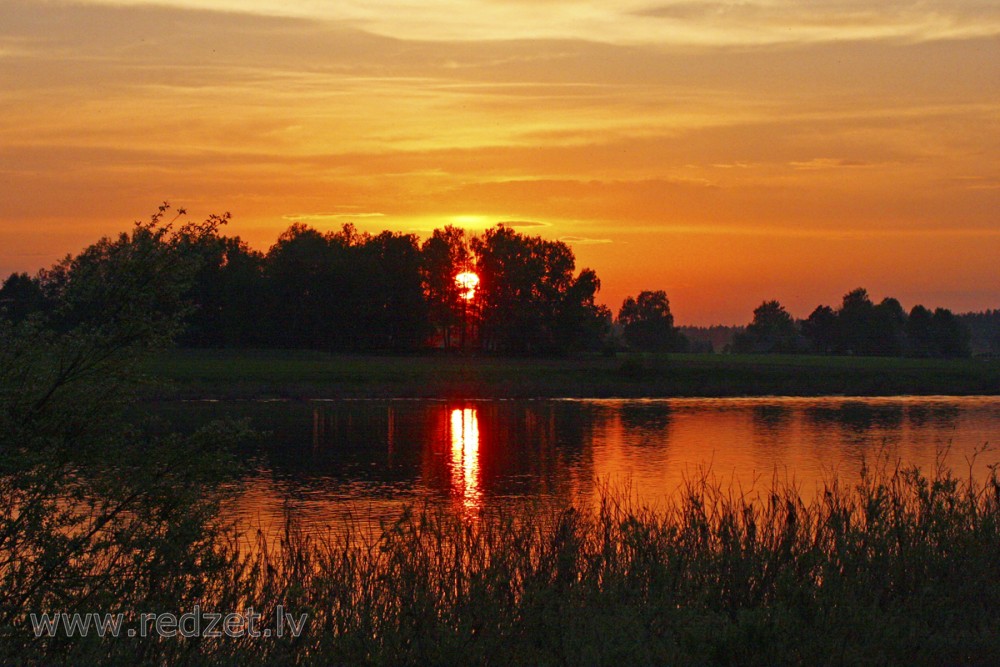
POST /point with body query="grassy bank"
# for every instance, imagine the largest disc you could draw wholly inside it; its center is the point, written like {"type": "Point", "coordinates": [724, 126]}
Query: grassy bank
{"type": "Point", "coordinates": [303, 374]}
{"type": "Point", "coordinates": [897, 569]}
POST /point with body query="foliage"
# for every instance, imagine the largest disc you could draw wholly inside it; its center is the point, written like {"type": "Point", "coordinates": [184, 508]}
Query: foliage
{"type": "Point", "coordinates": [648, 325]}
{"type": "Point", "coordinates": [530, 300]}
{"type": "Point", "coordinates": [340, 291]}
{"type": "Point", "coordinates": [20, 296]}
{"type": "Point", "coordinates": [227, 289]}
{"type": "Point", "coordinates": [858, 328]}
{"type": "Point", "coordinates": [984, 328]}
{"type": "Point", "coordinates": [714, 338]}
{"type": "Point", "coordinates": [900, 568]}
{"type": "Point", "coordinates": [357, 292]}
{"type": "Point", "coordinates": [446, 254]}
{"type": "Point", "coordinates": [772, 330]}
{"type": "Point", "coordinates": [96, 514]}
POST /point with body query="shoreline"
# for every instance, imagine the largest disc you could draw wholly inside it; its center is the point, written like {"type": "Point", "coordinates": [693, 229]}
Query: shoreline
{"type": "Point", "coordinates": [198, 374]}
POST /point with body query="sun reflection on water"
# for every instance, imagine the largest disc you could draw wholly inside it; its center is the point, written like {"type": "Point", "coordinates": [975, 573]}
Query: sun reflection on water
{"type": "Point", "coordinates": [465, 456]}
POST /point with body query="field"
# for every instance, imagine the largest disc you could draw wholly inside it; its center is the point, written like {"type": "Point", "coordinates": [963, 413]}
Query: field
{"type": "Point", "coordinates": [305, 374]}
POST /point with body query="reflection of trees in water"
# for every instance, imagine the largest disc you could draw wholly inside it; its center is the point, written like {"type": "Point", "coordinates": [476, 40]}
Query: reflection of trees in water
{"type": "Point", "coordinates": [770, 425]}
{"type": "Point", "coordinates": [857, 416]}
{"type": "Point", "coordinates": [936, 415]}
{"type": "Point", "coordinates": [530, 448]}
{"type": "Point", "coordinates": [647, 424]}
{"type": "Point", "coordinates": [771, 418]}
{"type": "Point", "coordinates": [859, 430]}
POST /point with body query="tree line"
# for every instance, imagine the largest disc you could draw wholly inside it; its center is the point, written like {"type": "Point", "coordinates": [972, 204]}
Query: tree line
{"type": "Point", "coordinates": [352, 291]}
{"type": "Point", "coordinates": [349, 291]}
{"type": "Point", "coordinates": [857, 327]}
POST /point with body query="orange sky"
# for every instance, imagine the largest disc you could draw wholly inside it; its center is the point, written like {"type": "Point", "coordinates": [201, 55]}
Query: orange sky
{"type": "Point", "coordinates": [727, 152]}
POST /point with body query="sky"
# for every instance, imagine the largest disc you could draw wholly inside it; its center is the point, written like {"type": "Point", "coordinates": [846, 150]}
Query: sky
{"type": "Point", "coordinates": [725, 152]}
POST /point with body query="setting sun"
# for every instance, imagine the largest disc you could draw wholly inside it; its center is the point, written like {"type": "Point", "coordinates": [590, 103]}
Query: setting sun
{"type": "Point", "coordinates": [468, 281]}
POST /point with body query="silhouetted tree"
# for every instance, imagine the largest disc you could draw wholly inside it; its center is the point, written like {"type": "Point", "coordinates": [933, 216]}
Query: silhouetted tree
{"type": "Point", "coordinates": [887, 329]}
{"type": "Point", "coordinates": [525, 290]}
{"type": "Point", "coordinates": [580, 324]}
{"type": "Point", "coordinates": [772, 330]}
{"type": "Point", "coordinates": [228, 292]}
{"type": "Point", "coordinates": [919, 333]}
{"type": "Point", "coordinates": [984, 328]}
{"type": "Point", "coordinates": [20, 296]}
{"type": "Point", "coordinates": [397, 313]}
{"type": "Point", "coordinates": [445, 255]}
{"type": "Point", "coordinates": [820, 329]}
{"type": "Point", "coordinates": [951, 337]}
{"type": "Point", "coordinates": [306, 287]}
{"type": "Point", "coordinates": [102, 286]}
{"type": "Point", "coordinates": [97, 512]}
{"type": "Point", "coordinates": [647, 323]}
{"type": "Point", "coordinates": [854, 323]}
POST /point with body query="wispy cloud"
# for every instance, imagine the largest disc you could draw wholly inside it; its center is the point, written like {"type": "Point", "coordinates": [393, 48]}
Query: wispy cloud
{"type": "Point", "coordinates": [632, 21]}
{"type": "Point", "coordinates": [583, 240]}
{"type": "Point", "coordinates": [828, 163]}
{"type": "Point", "coordinates": [324, 217]}
{"type": "Point", "coordinates": [524, 223]}
{"type": "Point", "coordinates": [718, 140]}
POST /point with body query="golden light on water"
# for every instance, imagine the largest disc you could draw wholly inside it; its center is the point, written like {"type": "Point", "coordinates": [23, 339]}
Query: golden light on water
{"type": "Point", "coordinates": [468, 281]}
{"type": "Point", "coordinates": [465, 456]}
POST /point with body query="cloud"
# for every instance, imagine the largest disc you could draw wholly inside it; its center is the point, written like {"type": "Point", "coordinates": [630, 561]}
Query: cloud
{"type": "Point", "coordinates": [524, 223]}
{"type": "Point", "coordinates": [321, 217]}
{"type": "Point", "coordinates": [828, 163]}
{"type": "Point", "coordinates": [583, 240]}
{"type": "Point", "coordinates": [977, 182]}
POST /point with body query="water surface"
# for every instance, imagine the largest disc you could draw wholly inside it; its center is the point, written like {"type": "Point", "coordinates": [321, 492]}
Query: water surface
{"type": "Point", "coordinates": [324, 461]}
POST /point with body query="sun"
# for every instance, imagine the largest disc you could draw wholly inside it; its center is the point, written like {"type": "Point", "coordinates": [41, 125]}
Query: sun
{"type": "Point", "coordinates": [468, 282]}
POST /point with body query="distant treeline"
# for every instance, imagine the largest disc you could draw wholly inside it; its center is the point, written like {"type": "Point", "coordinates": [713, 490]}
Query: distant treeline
{"type": "Point", "coordinates": [348, 291]}
{"type": "Point", "coordinates": [715, 338]}
{"type": "Point", "coordinates": [858, 327]}
{"type": "Point", "coordinates": [984, 329]}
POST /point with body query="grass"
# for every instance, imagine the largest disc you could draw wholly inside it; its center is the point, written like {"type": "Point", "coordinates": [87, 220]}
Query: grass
{"type": "Point", "coordinates": [305, 374]}
{"type": "Point", "coordinates": [900, 568]}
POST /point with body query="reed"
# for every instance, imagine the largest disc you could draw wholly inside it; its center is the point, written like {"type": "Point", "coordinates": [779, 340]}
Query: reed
{"type": "Point", "coordinates": [900, 567]}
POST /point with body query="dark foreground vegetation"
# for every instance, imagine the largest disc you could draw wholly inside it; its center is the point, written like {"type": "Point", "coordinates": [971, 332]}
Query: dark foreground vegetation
{"type": "Point", "coordinates": [97, 515]}
{"type": "Point", "coordinates": [899, 569]}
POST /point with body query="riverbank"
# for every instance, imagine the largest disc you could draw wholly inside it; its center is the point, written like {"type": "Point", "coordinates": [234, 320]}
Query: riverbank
{"type": "Point", "coordinates": [260, 374]}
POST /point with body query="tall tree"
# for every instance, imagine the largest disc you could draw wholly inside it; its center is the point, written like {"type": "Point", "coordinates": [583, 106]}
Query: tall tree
{"type": "Point", "coordinates": [951, 337]}
{"type": "Point", "coordinates": [854, 322]}
{"type": "Point", "coordinates": [228, 293]}
{"type": "Point", "coordinates": [398, 314]}
{"type": "Point", "coordinates": [820, 329]}
{"type": "Point", "coordinates": [647, 323]}
{"type": "Point", "coordinates": [919, 333]}
{"type": "Point", "coordinates": [445, 255]}
{"type": "Point", "coordinates": [772, 330]}
{"type": "Point", "coordinates": [525, 287]}
{"type": "Point", "coordinates": [304, 304]}
{"type": "Point", "coordinates": [20, 296]}
{"type": "Point", "coordinates": [887, 329]}
{"type": "Point", "coordinates": [581, 324]}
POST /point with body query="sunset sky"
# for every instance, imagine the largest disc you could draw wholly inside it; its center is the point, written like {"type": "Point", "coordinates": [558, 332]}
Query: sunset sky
{"type": "Point", "coordinates": [726, 152]}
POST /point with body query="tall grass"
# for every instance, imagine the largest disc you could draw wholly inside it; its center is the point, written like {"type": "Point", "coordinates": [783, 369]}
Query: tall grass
{"type": "Point", "coordinates": [898, 568]}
